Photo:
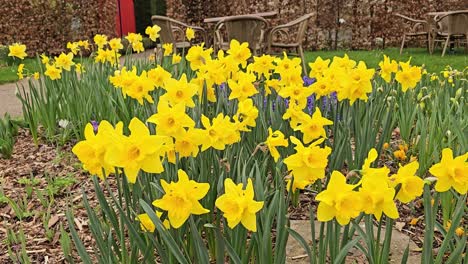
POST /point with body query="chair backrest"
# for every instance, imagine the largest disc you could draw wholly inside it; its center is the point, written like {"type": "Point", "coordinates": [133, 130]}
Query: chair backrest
{"type": "Point", "coordinates": [454, 23]}
{"type": "Point", "coordinates": [166, 35]}
{"type": "Point", "coordinates": [247, 28]}
{"type": "Point", "coordinates": [302, 23]}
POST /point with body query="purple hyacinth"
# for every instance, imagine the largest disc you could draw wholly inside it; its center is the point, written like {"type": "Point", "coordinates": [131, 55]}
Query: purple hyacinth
{"type": "Point", "coordinates": [95, 125]}
{"type": "Point", "coordinates": [311, 103]}
{"type": "Point", "coordinates": [308, 81]}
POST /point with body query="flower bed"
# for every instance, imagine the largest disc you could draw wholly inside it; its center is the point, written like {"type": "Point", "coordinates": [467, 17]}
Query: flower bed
{"type": "Point", "coordinates": [208, 151]}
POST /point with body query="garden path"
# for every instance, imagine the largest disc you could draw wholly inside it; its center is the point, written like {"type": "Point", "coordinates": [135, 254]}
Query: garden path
{"type": "Point", "coordinates": [10, 104]}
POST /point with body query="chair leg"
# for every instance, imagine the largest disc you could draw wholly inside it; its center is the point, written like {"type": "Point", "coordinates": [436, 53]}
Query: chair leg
{"type": "Point", "coordinates": [445, 46]}
{"type": "Point", "coordinates": [301, 54]}
{"type": "Point", "coordinates": [466, 44]}
{"type": "Point", "coordinates": [402, 44]}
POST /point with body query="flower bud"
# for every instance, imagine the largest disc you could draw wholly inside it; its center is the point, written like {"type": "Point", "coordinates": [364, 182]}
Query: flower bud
{"type": "Point", "coordinates": [458, 93]}
{"type": "Point", "coordinates": [420, 95]}
{"type": "Point", "coordinates": [454, 101]}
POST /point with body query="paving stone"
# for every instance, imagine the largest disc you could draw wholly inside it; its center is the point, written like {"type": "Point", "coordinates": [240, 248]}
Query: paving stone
{"type": "Point", "coordinates": [295, 254]}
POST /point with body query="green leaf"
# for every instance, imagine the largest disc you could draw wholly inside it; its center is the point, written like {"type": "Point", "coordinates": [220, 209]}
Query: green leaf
{"type": "Point", "coordinates": [77, 241]}
{"type": "Point", "coordinates": [345, 250]}
{"type": "Point", "coordinates": [170, 242]}
{"type": "Point", "coordinates": [302, 242]}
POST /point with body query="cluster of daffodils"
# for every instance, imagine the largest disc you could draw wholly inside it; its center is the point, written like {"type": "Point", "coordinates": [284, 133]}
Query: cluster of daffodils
{"type": "Point", "coordinates": [405, 74]}
{"type": "Point", "coordinates": [349, 79]}
{"type": "Point", "coordinates": [109, 148]}
{"type": "Point", "coordinates": [182, 199]}
{"type": "Point", "coordinates": [178, 130]}
{"type": "Point", "coordinates": [375, 193]}
{"type": "Point", "coordinates": [176, 137]}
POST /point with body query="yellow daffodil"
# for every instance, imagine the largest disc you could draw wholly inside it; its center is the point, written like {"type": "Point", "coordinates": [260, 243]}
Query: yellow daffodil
{"type": "Point", "coordinates": [84, 44]}
{"type": "Point", "coordinates": [313, 127]}
{"type": "Point", "coordinates": [357, 83]}
{"type": "Point", "coordinates": [243, 88]}
{"type": "Point", "coordinates": [338, 201]}
{"type": "Point", "coordinates": [197, 56]}
{"type": "Point", "coordinates": [159, 76]}
{"type": "Point", "coordinates": [295, 114]}
{"type": "Point", "coordinates": [451, 172]}
{"type": "Point", "coordinates": [408, 76]}
{"type": "Point", "coordinates": [322, 87]}
{"type": "Point", "coordinates": [180, 91]}
{"type": "Point", "coordinates": [343, 63]}
{"type": "Point", "coordinates": [387, 67]}
{"type": "Point", "coordinates": [134, 37]}
{"type": "Point", "coordinates": [373, 172]}
{"type": "Point", "coordinates": [79, 68]}
{"type": "Point", "coordinates": [20, 71]}
{"type": "Point", "coordinates": [262, 65]}
{"type": "Point", "coordinates": [139, 151]}
{"type": "Point", "coordinates": [53, 72]}
{"type": "Point", "coordinates": [116, 44]}
{"type": "Point", "coordinates": [140, 88]}
{"type": "Point", "coordinates": [92, 151]}
{"type": "Point", "coordinates": [171, 120]}
{"type": "Point", "coordinates": [44, 59]}
{"type": "Point", "coordinates": [378, 197]}
{"type": "Point", "coordinates": [188, 141]}
{"type": "Point", "coordinates": [36, 75]}
{"type": "Point", "coordinates": [153, 32]}
{"type": "Point", "coordinates": [296, 93]}
{"type": "Point", "coordinates": [246, 114]}
{"type": "Point", "coordinates": [411, 185]}
{"type": "Point", "coordinates": [376, 193]}
{"type": "Point", "coordinates": [168, 49]}
{"type": "Point", "coordinates": [17, 50]}
{"type": "Point", "coordinates": [274, 140]}
{"type": "Point", "coordinates": [288, 68]}
{"type": "Point", "coordinates": [239, 52]}
{"type": "Point", "coordinates": [219, 132]}
{"type": "Point", "coordinates": [100, 40]}
{"type": "Point", "coordinates": [189, 33]}
{"type": "Point", "coordinates": [307, 164]}
{"type": "Point", "coordinates": [64, 61]}
{"type": "Point", "coordinates": [238, 205]}
{"type": "Point", "coordinates": [138, 47]}
{"type": "Point", "coordinates": [318, 67]}
{"type": "Point", "coordinates": [147, 225]}
{"type": "Point", "coordinates": [181, 199]}
{"type": "Point", "coordinates": [73, 47]}
{"type": "Point", "coordinates": [176, 58]}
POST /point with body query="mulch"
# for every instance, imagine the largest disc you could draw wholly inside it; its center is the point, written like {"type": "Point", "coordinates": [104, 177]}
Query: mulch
{"type": "Point", "coordinates": [41, 163]}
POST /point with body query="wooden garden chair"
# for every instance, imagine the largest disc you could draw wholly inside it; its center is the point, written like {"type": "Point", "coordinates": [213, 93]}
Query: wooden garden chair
{"type": "Point", "coordinates": [293, 41]}
{"type": "Point", "coordinates": [450, 26]}
{"type": "Point", "coordinates": [173, 31]}
{"type": "Point", "coordinates": [244, 28]}
{"type": "Point", "coordinates": [419, 28]}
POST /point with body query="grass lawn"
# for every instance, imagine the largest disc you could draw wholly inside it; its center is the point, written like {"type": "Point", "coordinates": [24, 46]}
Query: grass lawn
{"type": "Point", "coordinates": [8, 73]}
{"type": "Point", "coordinates": [419, 56]}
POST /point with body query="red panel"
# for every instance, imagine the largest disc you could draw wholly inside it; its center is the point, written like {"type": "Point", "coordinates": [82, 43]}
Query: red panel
{"type": "Point", "coordinates": [126, 16]}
